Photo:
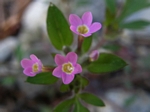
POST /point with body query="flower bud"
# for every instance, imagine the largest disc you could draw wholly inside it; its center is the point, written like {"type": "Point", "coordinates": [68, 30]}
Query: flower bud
{"type": "Point", "coordinates": [94, 55]}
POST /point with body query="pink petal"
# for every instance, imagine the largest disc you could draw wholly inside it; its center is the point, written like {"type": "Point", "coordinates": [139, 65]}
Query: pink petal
{"type": "Point", "coordinates": [57, 72]}
{"type": "Point", "coordinates": [40, 67]}
{"type": "Point", "coordinates": [95, 27]}
{"type": "Point", "coordinates": [86, 35]}
{"type": "Point", "coordinates": [67, 78]}
{"type": "Point", "coordinates": [87, 18]}
{"type": "Point", "coordinates": [78, 69]}
{"type": "Point", "coordinates": [94, 55]}
{"type": "Point", "coordinates": [72, 57]}
{"type": "Point", "coordinates": [34, 58]}
{"type": "Point", "coordinates": [74, 20]}
{"type": "Point", "coordinates": [28, 72]}
{"type": "Point", "coordinates": [74, 29]}
{"type": "Point", "coordinates": [59, 59]}
{"type": "Point", "coordinates": [26, 63]}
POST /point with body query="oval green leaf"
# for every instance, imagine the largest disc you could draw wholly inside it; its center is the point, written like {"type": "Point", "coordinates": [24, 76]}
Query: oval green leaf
{"type": "Point", "coordinates": [106, 63]}
{"type": "Point", "coordinates": [58, 28]}
{"type": "Point", "coordinates": [79, 107]}
{"type": "Point", "coordinates": [86, 44]}
{"type": "Point", "coordinates": [42, 78]}
{"type": "Point", "coordinates": [64, 106]}
{"type": "Point", "coordinates": [91, 99]}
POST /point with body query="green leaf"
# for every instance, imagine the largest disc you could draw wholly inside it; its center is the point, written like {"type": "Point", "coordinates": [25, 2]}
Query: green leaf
{"type": "Point", "coordinates": [112, 47]}
{"type": "Point", "coordinates": [86, 44]}
{"type": "Point", "coordinates": [58, 28]}
{"type": "Point", "coordinates": [111, 5]}
{"type": "Point", "coordinates": [64, 88]}
{"type": "Point", "coordinates": [132, 6]}
{"type": "Point", "coordinates": [84, 81]}
{"type": "Point", "coordinates": [106, 63]}
{"type": "Point", "coordinates": [79, 107]}
{"type": "Point", "coordinates": [42, 78]}
{"type": "Point", "coordinates": [19, 52]}
{"type": "Point", "coordinates": [64, 106]}
{"type": "Point", "coordinates": [138, 24]}
{"type": "Point", "coordinates": [91, 99]}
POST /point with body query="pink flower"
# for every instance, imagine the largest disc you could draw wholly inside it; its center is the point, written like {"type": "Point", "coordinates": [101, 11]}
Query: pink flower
{"type": "Point", "coordinates": [67, 67]}
{"type": "Point", "coordinates": [84, 25]}
{"type": "Point", "coordinates": [31, 67]}
{"type": "Point", "coordinates": [94, 55]}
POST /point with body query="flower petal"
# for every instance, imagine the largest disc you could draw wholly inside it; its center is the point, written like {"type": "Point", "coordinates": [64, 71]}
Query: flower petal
{"type": "Point", "coordinates": [74, 29]}
{"type": "Point", "coordinates": [28, 72]}
{"type": "Point", "coordinates": [57, 72]}
{"type": "Point", "coordinates": [78, 69]}
{"type": "Point", "coordinates": [86, 35]}
{"type": "Point", "coordinates": [74, 20]}
{"type": "Point", "coordinates": [59, 59]}
{"type": "Point", "coordinates": [72, 57]}
{"type": "Point", "coordinates": [26, 63]}
{"type": "Point", "coordinates": [87, 18]}
{"type": "Point", "coordinates": [34, 58]}
{"type": "Point", "coordinates": [39, 67]}
{"type": "Point", "coordinates": [95, 27]}
{"type": "Point", "coordinates": [67, 78]}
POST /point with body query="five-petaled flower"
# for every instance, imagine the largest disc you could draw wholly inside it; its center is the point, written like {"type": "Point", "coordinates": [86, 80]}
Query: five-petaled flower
{"type": "Point", "coordinates": [94, 55]}
{"type": "Point", "coordinates": [84, 25]}
{"type": "Point", "coordinates": [67, 67]}
{"type": "Point", "coordinates": [31, 67]}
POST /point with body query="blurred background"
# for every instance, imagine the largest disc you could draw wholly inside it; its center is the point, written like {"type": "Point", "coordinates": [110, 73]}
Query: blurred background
{"type": "Point", "coordinates": [125, 32]}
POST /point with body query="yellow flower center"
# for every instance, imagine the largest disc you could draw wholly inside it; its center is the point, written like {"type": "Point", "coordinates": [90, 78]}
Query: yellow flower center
{"type": "Point", "coordinates": [67, 68]}
{"type": "Point", "coordinates": [82, 29]}
{"type": "Point", "coordinates": [35, 67]}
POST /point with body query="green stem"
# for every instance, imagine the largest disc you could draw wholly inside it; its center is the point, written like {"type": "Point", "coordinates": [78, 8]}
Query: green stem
{"type": "Point", "coordinates": [80, 41]}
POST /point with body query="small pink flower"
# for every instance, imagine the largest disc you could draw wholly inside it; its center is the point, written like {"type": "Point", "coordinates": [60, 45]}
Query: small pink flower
{"type": "Point", "coordinates": [31, 67]}
{"type": "Point", "coordinates": [84, 25]}
{"type": "Point", "coordinates": [94, 55]}
{"type": "Point", "coordinates": [67, 67]}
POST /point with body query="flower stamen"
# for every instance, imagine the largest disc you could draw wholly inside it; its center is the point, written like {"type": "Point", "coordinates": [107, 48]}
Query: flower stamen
{"type": "Point", "coordinates": [35, 67]}
{"type": "Point", "coordinates": [67, 68]}
{"type": "Point", "coordinates": [83, 29]}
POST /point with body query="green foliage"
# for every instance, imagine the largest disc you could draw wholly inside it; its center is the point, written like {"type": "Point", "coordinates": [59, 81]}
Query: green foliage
{"type": "Point", "coordinates": [132, 6]}
{"type": "Point", "coordinates": [86, 44]}
{"type": "Point", "coordinates": [64, 106]}
{"type": "Point", "coordinates": [8, 81]}
{"type": "Point", "coordinates": [138, 24]}
{"type": "Point", "coordinates": [112, 47]}
{"type": "Point", "coordinates": [42, 78]}
{"type": "Point", "coordinates": [78, 83]}
{"type": "Point", "coordinates": [91, 99]}
{"type": "Point", "coordinates": [106, 63]}
{"type": "Point", "coordinates": [114, 21]}
{"type": "Point", "coordinates": [111, 5]}
{"type": "Point", "coordinates": [64, 88]}
{"type": "Point", "coordinates": [84, 82]}
{"type": "Point", "coordinates": [79, 107]}
{"type": "Point", "coordinates": [58, 28]}
{"type": "Point", "coordinates": [19, 53]}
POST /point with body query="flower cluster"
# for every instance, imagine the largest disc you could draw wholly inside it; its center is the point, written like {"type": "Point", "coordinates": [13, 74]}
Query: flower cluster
{"type": "Point", "coordinates": [67, 66]}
